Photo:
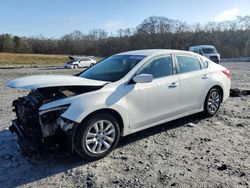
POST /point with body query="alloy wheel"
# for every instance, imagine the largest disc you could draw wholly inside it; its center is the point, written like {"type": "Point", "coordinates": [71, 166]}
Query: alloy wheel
{"type": "Point", "coordinates": [213, 102]}
{"type": "Point", "coordinates": [100, 136]}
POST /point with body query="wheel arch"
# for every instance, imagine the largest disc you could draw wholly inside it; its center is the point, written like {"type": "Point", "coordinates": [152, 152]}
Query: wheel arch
{"type": "Point", "coordinates": [220, 89]}
{"type": "Point", "coordinates": [74, 137]}
{"type": "Point", "coordinates": [217, 87]}
{"type": "Point", "coordinates": [113, 112]}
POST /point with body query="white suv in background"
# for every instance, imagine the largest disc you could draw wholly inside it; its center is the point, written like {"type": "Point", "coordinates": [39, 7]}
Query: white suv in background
{"type": "Point", "coordinates": [208, 51]}
{"type": "Point", "coordinates": [77, 62]}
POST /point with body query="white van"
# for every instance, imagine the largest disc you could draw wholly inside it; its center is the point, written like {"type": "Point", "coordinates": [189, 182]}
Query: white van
{"type": "Point", "coordinates": [208, 51]}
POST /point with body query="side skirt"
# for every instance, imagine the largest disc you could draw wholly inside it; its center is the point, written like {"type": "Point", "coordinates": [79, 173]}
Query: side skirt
{"type": "Point", "coordinates": [130, 131]}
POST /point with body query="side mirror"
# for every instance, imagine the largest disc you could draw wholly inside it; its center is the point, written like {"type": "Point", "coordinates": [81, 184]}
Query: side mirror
{"type": "Point", "coordinates": [143, 78]}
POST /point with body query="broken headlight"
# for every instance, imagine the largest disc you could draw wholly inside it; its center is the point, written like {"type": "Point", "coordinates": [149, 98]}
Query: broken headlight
{"type": "Point", "coordinates": [50, 120]}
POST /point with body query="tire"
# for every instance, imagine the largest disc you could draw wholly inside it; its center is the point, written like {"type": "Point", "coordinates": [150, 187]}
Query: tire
{"type": "Point", "coordinates": [91, 65]}
{"type": "Point", "coordinates": [76, 66]}
{"type": "Point", "coordinates": [212, 102]}
{"type": "Point", "coordinates": [87, 131]}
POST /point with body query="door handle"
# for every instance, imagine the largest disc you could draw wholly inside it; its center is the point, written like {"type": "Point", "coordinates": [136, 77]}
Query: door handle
{"type": "Point", "coordinates": [173, 85]}
{"type": "Point", "coordinates": [205, 76]}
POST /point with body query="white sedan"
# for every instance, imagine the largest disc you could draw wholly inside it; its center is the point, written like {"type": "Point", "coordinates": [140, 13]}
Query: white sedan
{"type": "Point", "coordinates": [120, 95]}
{"type": "Point", "coordinates": [77, 62]}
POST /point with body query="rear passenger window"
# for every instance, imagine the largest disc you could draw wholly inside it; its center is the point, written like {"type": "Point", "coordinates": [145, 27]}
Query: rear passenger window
{"type": "Point", "coordinates": [159, 67]}
{"type": "Point", "coordinates": [187, 63]}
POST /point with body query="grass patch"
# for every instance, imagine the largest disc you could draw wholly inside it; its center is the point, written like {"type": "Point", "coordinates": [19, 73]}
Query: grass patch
{"type": "Point", "coordinates": [10, 59]}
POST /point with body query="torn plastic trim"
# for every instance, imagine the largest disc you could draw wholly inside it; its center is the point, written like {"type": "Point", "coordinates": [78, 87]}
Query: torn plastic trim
{"type": "Point", "coordinates": [65, 124]}
{"type": "Point", "coordinates": [15, 128]}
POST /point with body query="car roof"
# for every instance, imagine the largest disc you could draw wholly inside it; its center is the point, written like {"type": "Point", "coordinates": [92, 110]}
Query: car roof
{"type": "Point", "coordinates": [202, 46]}
{"type": "Point", "coordinates": [149, 52]}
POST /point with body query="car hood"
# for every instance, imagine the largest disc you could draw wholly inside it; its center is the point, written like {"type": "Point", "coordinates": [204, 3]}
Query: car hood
{"type": "Point", "coordinates": [43, 81]}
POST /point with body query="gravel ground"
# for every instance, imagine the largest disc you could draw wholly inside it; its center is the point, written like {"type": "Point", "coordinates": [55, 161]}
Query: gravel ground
{"type": "Point", "coordinates": [189, 152]}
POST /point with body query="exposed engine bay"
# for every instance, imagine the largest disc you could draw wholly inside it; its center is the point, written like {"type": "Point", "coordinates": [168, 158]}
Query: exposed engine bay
{"type": "Point", "coordinates": [36, 128]}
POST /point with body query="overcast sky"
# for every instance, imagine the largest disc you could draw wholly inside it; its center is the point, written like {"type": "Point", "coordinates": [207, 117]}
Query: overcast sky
{"type": "Point", "coordinates": [54, 18]}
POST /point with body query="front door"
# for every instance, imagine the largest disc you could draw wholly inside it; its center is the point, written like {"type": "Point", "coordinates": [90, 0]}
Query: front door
{"type": "Point", "coordinates": [155, 101]}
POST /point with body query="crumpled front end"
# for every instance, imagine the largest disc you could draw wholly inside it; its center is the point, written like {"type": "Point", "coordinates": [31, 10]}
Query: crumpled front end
{"type": "Point", "coordinates": [38, 129]}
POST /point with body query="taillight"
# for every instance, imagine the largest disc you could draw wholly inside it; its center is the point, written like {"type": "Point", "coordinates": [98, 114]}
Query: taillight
{"type": "Point", "coordinates": [227, 73]}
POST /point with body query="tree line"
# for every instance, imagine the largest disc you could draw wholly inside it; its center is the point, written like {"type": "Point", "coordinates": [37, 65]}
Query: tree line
{"type": "Point", "coordinates": [231, 38]}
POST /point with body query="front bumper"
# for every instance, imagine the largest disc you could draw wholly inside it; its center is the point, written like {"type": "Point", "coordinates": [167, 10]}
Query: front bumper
{"type": "Point", "coordinates": [26, 145]}
{"type": "Point", "coordinates": [61, 140]}
{"type": "Point", "coordinates": [16, 128]}
{"type": "Point", "coordinates": [215, 59]}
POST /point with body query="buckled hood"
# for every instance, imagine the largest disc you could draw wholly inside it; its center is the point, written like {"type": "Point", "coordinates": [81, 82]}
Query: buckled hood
{"type": "Point", "coordinates": [43, 81]}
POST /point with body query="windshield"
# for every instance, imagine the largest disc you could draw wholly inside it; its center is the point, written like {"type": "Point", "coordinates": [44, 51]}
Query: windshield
{"type": "Point", "coordinates": [209, 51]}
{"type": "Point", "coordinates": [112, 68]}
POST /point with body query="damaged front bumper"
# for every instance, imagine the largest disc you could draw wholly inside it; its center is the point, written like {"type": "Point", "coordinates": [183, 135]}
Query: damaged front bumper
{"type": "Point", "coordinates": [41, 130]}
{"type": "Point", "coordinates": [26, 144]}
{"type": "Point", "coordinates": [60, 140]}
{"type": "Point", "coordinates": [16, 128]}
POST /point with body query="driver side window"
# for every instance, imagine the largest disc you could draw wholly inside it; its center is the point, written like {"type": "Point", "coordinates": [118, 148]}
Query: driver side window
{"type": "Point", "coordinates": [159, 67]}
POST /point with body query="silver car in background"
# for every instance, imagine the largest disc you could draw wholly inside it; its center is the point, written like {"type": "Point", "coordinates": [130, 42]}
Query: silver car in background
{"type": "Point", "coordinates": [77, 62]}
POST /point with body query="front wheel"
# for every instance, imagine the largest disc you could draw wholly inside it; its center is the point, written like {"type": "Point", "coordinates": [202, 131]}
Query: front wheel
{"type": "Point", "coordinates": [96, 137]}
{"type": "Point", "coordinates": [212, 102]}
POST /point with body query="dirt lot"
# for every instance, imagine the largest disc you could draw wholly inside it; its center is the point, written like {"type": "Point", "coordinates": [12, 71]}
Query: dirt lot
{"type": "Point", "coordinates": [209, 152]}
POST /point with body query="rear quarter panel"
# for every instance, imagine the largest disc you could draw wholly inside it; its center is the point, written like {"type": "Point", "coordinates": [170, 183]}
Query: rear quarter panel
{"type": "Point", "coordinates": [220, 79]}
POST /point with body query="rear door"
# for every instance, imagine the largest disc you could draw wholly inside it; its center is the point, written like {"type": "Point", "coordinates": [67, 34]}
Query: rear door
{"type": "Point", "coordinates": [194, 81]}
{"type": "Point", "coordinates": [152, 102]}
{"type": "Point", "coordinates": [85, 62]}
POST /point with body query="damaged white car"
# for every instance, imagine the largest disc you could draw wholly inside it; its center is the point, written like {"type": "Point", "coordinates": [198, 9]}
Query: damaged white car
{"type": "Point", "coordinates": [122, 94]}
{"type": "Point", "coordinates": [77, 62]}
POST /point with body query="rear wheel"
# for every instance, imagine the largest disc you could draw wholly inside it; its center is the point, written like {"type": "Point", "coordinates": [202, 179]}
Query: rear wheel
{"type": "Point", "coordinates": [96, 137]}
{"type": "Point", "coordinates": [212, 102]}
{"type": "Point", "coordinates": [76, 66]}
